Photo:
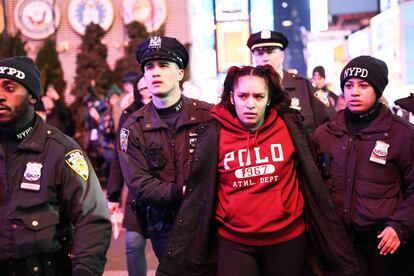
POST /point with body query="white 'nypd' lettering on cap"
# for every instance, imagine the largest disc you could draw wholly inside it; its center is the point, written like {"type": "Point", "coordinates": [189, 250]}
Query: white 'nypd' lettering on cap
{"type": "Point", "coordinates": [356, 72]}
{"type": "Point", "coordinates": [12, 72]}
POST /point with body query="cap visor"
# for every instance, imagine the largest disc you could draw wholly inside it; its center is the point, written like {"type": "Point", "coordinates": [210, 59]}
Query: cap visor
{"type": "Point", "coordinates": [159, 56]}
{"type": "Point", "coordinates": [267, 45]}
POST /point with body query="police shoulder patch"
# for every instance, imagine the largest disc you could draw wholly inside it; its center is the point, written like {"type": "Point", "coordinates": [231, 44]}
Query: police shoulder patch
{"type": "Point", "coordinates": [322, 96]}
{"type": "Point", "coordinates": [77, 162]}
{"type": "Point", "coordinates": [123, 139]}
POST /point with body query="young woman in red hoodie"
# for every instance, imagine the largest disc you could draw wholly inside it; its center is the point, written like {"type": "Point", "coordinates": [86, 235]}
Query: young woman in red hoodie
{"type": "Point", "coordinates": [260, 206]}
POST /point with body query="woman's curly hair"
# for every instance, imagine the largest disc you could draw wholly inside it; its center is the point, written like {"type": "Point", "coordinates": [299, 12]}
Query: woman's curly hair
{"type": "Point", "coordinates": [279, 98]}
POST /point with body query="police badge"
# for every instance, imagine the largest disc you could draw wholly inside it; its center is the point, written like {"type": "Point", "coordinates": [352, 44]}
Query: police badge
{"type": "Point", "coordinates": [379, 153]}
{"type": "Point", "coordinates": [295, 103]}
{"type": "Point", "coordinates": [33, 171]}
{"type": "Point", "coordinates": [31, 176]}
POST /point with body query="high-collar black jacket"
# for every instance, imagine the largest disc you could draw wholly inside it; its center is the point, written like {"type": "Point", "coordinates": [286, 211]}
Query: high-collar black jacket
{"type": "Point", "coordinates": [46, 187]}
{"type": "Point", "coordinates": [191, 249]}
{"type": "Point", "coordinates": [372, 174]}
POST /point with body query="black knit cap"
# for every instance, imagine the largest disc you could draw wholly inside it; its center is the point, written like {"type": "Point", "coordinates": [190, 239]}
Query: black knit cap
{"type": "Point", "coordinates": [370, 69]}
{"type": "Point", "coordinates": [320, 70]}
{"type": "Point", "coordinates": [267, 39]}
{"type": "Point", "coordinates": [22, 70]}
{"type": "Point", "coordinates": [164, 48]}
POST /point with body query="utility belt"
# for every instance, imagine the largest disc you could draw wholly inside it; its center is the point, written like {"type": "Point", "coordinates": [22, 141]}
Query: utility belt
{"type": "Point", "coordinates": [156, 219]}
{"type": "Point", "coordinates": [45, 264]}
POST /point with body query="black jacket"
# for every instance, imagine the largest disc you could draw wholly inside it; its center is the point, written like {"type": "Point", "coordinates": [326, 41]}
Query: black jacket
{"type": "Point", "coordinates": [191, 249]}
{"type": "Point", "coordinates": [48, 188]}
{"type": "Point", "coordinates": [156, 165]}
{"type": "Point", "coordinates": [304, 99]}
{"type": "Point", "coordinates": [370, 191]}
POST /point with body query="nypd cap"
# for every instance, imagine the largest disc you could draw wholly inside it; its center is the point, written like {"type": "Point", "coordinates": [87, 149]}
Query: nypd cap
{"type": "Point", "coordinates": [22, 70]}
{"type": "Point", "coordinates": [267, 39]}
{"type": "Point", "coordinates": [164, 48]}
{"type": "Point", "coordinates": [370, 69]}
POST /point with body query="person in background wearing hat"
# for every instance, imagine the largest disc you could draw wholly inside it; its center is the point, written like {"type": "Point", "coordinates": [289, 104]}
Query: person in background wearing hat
{"type": "Point", "coordinates": [365, 154]}
{"type": "Point", "coordinates": [407, 108]}
{"type": "Point", "coordinates": [268, 48]}
{"type": "Point", "coordinates": [127, 96]}
{"type": "Point", "coordinates": [52, 209]}
{"type": "Point", "coordinates": [319, 81]}
{"type": "Point", "coordinates": [161, 156]}
{"type": "Point", "coordinates": [133, 223]}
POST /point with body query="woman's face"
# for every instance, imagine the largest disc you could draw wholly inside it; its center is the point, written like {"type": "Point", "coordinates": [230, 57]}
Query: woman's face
{"type": "Point", "coordinates": [250, 97]}
{"type": "Point", "coordinates": [359, 95]}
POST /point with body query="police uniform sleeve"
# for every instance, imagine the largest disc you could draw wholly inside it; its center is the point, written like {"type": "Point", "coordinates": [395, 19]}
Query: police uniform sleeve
{"type": "Point", "coordinates": [85, 206]}
{"type": "Point", "coordinates": [403, 219]}
{"type": "Point", "coordinates": [144, 187]}
{"type": "Point", "coordinates": [116, 179]}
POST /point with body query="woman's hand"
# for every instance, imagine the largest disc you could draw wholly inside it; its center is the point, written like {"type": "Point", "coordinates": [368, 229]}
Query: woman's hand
{"type": "Point", "coordinates": [389, 241]}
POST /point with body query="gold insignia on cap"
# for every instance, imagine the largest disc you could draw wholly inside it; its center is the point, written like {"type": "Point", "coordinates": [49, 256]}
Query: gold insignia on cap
{"type": "Point", "coordinates": [77, 163]}
{"type": "Point", "coordinates": [155, 42]}
{"type": "Point", "coordinates": [265, 34]}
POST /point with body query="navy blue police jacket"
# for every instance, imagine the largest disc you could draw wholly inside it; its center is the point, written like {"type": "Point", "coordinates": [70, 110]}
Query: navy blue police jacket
{"type": "Point", "coordinates": [49, 192]}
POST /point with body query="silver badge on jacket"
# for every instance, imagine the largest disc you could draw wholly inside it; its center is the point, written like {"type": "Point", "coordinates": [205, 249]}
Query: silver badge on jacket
{"type": "Point", "coordinates": [379, 153]}
{"type": "Point", "coordinates": [33, 171]}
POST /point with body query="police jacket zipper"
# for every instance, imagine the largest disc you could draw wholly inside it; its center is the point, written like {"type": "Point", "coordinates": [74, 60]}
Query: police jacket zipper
{"type": "Point", "coordinates": [349, 178]}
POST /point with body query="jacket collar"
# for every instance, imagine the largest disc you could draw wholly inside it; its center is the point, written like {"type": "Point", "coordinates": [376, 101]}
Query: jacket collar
{"type": "Point", "coordinates": [37, 137]}
{"type": "Point", "coordinates": [382, 123]}
{"type": "Point", "coordinates": [187, 116]}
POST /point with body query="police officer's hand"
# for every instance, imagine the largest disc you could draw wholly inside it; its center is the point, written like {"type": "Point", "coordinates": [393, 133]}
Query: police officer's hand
{"type": "Point", "coordinates": [113, 207]}
{"type": "Point", "coordinates": [389, 241]}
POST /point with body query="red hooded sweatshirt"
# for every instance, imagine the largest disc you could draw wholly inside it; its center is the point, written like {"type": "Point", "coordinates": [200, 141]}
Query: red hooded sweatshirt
{"type": "Point", "coordinates": [259, 201]}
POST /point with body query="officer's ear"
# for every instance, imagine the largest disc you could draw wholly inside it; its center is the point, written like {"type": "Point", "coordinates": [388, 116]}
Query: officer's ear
{"type": "Point", "coordinates": [32, 100]}
{"type": "Point", "coordinates": [180, 74]}
{"type": "Point", "coordinates": [282, 56]}
{"type": "Point", "coordinates": [231, 97]}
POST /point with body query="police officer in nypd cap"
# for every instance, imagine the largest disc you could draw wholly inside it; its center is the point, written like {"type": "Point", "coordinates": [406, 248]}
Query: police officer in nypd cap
{"type": "Point", "coordinates": [53, 214]}
{"type": "Point", "coordinates": [268, 48]}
